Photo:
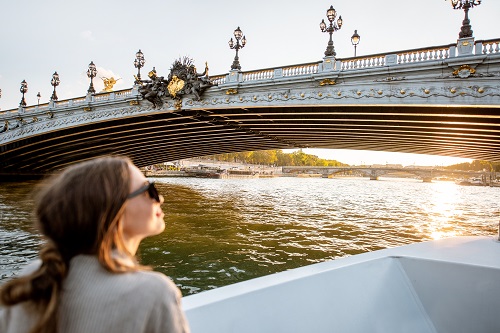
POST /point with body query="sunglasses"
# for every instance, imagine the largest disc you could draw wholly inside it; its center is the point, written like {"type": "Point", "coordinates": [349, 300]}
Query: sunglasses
{"type": "Point", "coordinates": [150, 188]}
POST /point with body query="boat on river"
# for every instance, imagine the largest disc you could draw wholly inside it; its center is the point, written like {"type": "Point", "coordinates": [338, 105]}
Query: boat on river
{"type": "Point", "coordinates": [472, 182]}
{"type": "Point", "coordinates": [447, 285]}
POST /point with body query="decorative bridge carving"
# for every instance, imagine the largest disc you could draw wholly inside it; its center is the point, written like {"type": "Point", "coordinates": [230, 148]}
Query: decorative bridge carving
{"type": "Point", "coordinates": [182, 80]}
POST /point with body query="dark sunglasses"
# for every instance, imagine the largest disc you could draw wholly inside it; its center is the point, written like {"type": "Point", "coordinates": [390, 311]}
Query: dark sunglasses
{"type": "Point", "coordinates": [150, 188]}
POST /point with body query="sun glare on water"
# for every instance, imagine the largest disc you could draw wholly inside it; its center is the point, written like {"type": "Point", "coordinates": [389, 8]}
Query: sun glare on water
{"type": "Point", "coordinates": [444, 209]}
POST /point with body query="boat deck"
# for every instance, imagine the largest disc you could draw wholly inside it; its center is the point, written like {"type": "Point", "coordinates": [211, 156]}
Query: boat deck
{"type": "Point", "coordinates": [448, 285]}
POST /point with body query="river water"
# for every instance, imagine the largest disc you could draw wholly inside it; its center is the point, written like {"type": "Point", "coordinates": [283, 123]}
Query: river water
{"type": "Point", "coordinates": [223, 231]}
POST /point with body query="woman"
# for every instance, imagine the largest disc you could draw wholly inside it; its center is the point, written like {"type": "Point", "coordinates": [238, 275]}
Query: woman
{"type": "Point", "coordinates": [93, 216]}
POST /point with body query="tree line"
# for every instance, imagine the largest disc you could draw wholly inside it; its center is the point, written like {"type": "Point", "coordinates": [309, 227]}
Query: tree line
{"type": "Point", "coordinates": [276, 158]}
{"type": "Point", "coordinates": [475, 165]}
{"type": "Point", "coordinates": [299, 158]}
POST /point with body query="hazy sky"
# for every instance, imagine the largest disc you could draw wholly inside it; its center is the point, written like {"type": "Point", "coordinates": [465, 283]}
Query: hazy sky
{"type": "Point", "coordinates": [40, 37]}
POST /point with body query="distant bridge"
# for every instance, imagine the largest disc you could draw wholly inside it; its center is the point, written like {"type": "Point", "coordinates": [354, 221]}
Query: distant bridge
{"type": "Point", "coordinates": [441, 100]}
{"type": "Point", "coordinates": [374, 172]}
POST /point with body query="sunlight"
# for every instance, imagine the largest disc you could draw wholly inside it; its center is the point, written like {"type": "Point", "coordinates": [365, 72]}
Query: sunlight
{"type": "Point", "coordinates": [445, 198]}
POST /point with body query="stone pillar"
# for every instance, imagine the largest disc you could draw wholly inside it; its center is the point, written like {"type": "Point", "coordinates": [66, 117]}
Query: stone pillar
{"type": "Point", "coordinates": [89, 98]}
{"type": "Point", "coordinates": [234, 76]}
{"type": "Point", "coordinates": [465, 46]}
{"type": "Point", "coordinates": [479, 47]}
{"type": "Point", "coordinates": [328, 64]}
{"type": "Point", "coordinates": [391, 59]}
{"type": "Point", "coordinates": [135, 90]}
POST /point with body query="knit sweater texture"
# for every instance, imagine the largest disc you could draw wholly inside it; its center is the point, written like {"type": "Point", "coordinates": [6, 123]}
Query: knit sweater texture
{"type": "Point", "coordinates": [95, 300]}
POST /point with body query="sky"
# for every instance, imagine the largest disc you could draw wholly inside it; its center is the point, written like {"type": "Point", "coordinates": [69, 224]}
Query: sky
{"type": "Point", "coordinates": [40, 37]}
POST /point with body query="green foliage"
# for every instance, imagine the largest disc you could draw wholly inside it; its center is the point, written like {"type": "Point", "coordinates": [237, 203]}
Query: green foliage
{"type": "Point", "coordinates": [275, 157]}
{"type": "Point", "coordinates": [476, 165]}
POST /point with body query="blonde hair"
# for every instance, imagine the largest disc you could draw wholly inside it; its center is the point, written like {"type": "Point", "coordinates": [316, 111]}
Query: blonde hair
{"type": "Point", "coordinates": [78, 211]}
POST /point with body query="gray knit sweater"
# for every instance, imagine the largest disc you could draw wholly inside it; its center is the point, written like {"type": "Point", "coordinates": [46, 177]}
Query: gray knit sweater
{"type": "Point", "coordinates": [95, 300]}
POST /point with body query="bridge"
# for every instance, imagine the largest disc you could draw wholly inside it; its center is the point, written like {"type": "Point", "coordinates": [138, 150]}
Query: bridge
{"type": "Point", "coordinates": [376, 171]}
{"type": "Point", "coordinates": [441, 100]}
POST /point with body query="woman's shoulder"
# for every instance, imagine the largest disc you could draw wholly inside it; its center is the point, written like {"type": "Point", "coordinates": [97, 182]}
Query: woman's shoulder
{"type": "Point", "coordinates": [156, 279]}
{"type": "Point", "coordinates": [87, 275]}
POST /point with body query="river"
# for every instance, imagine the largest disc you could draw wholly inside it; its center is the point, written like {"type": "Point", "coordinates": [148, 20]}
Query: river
{"type": "Point", "coordinates": [223, 231]}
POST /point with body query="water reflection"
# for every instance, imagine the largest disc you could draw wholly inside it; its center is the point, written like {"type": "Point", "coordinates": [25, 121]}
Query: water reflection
{"type": "Point", "coordinates": [225, 231]}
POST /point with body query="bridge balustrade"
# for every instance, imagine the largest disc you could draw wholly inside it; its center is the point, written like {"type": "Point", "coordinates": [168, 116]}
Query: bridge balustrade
{"type": "Point", "coordinates": [489, 46]}
{"type": "Point", "coordinates": [329, 65]}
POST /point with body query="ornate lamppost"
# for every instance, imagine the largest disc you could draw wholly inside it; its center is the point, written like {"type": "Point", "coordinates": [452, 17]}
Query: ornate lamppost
{"type": "Point", "coordinates": [355, 40]}
{"type": "Point", "coordinates": [139, 63]}
{"type": "Point", "coordinates": [331, 14]}
{"type": "Point", "coordinates": [91, 73]}
{"type": "Point", "coordinates": [238, 34]}
{"type": "Point", "coordinates": [54, 83]}
{"type": "Point", "coordinates": [38, 96]}
{"type": "Point", "coordinates": [466, 30]}
{"type": "Point", "coordinates": [23, 90]}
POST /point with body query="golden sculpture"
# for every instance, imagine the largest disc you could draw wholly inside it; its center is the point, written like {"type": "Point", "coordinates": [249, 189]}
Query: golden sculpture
{"type": "Point", "coordinates": [175, 86]}
{"type": "Point", "coordinates": [109, 83]}
{"type": "Point", "coordinates": [327, 82]}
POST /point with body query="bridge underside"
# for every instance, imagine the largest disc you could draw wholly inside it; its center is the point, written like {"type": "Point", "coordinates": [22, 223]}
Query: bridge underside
{"type": "Point", "coordinates": [459, 131]}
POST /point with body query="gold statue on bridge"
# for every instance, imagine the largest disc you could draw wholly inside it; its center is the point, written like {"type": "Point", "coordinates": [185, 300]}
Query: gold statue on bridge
{"type": "Point", "coordinates": [109, 83]}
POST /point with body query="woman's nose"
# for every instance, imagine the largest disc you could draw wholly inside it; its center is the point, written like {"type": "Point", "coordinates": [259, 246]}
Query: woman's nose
{"type": "Point", "coordinates": [162, 200]}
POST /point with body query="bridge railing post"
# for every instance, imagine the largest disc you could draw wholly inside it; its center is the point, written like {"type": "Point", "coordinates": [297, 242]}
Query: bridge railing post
{"type": "Point", "coordinates": [465, 46]}
{"type": "Point", "coordinates": [391, 59]}
{"type": "Point", "coordinates": [479, 47]}
{"type": "Point", "coordinates": [453, 51]}
{"type": "Point", "coordinates": [89, 98]}
{"type": "Point", "coordinates": [135, 90]}
{"type": "Point", "coordinates": [234, 76]}
{"type": "Point", "coordinates": [329, 64]}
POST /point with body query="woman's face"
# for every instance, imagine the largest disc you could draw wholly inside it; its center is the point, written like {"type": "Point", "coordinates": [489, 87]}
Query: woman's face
{"type": "Point", "coordinates": [143, 215]}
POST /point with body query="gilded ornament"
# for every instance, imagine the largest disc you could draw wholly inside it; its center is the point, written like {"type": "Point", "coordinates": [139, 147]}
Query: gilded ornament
{"type": "Point", "coordinates": [175, 86]}
{"type": "Point", "coordinates": [464, 71]}
{"type": "Point", "coordinates": [87, 108]}
{"type": "Point", "coordinates": [427, 91]}
{"type": "Point", "coordinates": [339, 93]}
{"type": "Point", "coordinates": [302, 95]}
{"type": "Point", "coordinates": [327, 82]}
{"type": "Point", "coordinates": [453, 90]}
{"type": "Point", "coordinates": [402, 92]}
{"type": "Point", "coordinates": [178, 104]}
{"type": "Point", "coordinates": [109, 83]}
{"type": "Point", "coordinates": [480, 90]}
{"type": "Point", "coordinates": [231, 91]}
{"type": "Point", "coordinates": [359, 93]}
{"type": "Point", "coordinates": [255, 98]}
{"type": "Point", "coordinates": [241, 99]}
{"type": "Point", "coordinates": [320, 94]}
{"type": "Point", "coordinates": [380, 92]}
{"type": "Point", "coordinates": [134, 103]}
{"type": "Point", "coordinates": [286, 95]}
